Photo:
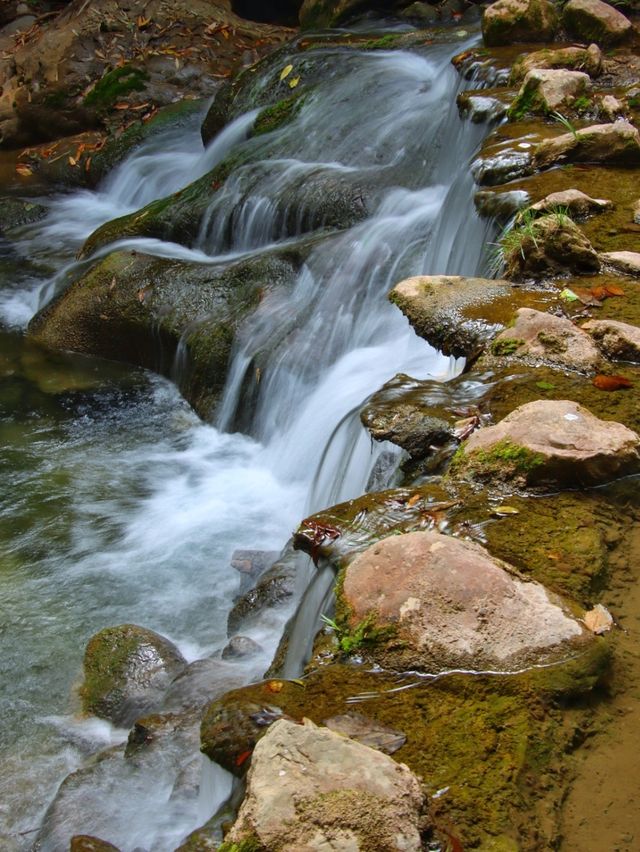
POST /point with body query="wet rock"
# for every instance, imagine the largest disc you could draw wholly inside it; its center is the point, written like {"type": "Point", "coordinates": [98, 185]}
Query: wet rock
{"type": "Point", "coordinates": [626, 262]}
{"type": "Point", "coordinates": [550, 244]}
{"type": "Point", "coordinates": [577, 204]}
{"type": "Point", "coordinates": [275, 591]}
{"type": "Point", "coordinates": [311, 789]}
{"type": "Point", "coordinates": [480, 109]}
{"type": "Point", "coordinates": [636, 212]}
{"type": "Point", "coordinates": [251, 564]}
{"type": "Point", "coordinates": [150, 735]}
{"type": "Point", "coordinates": [438, 603]}
{"type": "Point", "coordinates": [599, 620]}
{"type": "Point", "coordinates": [509, 21]}
{"type": "Point", "coordinates": [619, 341]}
{"type": "Point", "coordinates": [239, 647]}
{"type": "Point", "coordinates": [136, 308]}
{"type": "Point", "coordinates": [501, 206]}
{"type": "Point", "coordinates": [14, 213]}
{"type": "Point", "coordinates": [404, 422]}
{"type": "Point", "coordinates": [126, 671]}
{"type": "Point", "coordinates": [594, 20]}
{"type": "Point", "coordinates": [502, 167]}
{"type": "Point", "coordinates": [611, 108]}
{"type": "Point", "coordinates": [366, 731]}
{"type": "Point", "coordinates": [587, 59]}
{"type": "Point", "coordinates": [423, 14]}
{"type": "Point", "coordinates": [600, 143]}
{"type": "Point", "coordinates": [443, 309]}
{"type": "Point", "coordinates": [548, 90]}
{"type": "Point", "coordinates": [555, 443]}
{"type": "Point", "coordinates": [537, 336]}
{"type": "Point", "coordinates": [200, 682]}
{"type": "Point", "coordinates": [86, 843]}
{"type": "Point", "coordinates": [322, 14]}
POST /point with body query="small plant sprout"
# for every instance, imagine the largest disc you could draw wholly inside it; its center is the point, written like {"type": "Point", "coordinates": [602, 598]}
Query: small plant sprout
{"type": "Point", "coordinates": [564, 121]}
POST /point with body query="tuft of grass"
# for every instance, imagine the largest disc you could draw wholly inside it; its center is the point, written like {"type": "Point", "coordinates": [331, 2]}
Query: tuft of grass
{"type": "Point", "coordinates": [564, 121]}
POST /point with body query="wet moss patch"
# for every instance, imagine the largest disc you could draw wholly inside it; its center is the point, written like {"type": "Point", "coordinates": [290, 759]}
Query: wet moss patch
{"type": "Point", "coordinates": [114, 85]}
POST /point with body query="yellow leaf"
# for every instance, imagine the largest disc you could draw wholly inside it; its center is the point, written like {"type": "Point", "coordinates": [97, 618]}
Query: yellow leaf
{"type": "Point", "coordinates": [72, 161]}
{"type": "Point", "coordinates": [501, 511]}
{"type": "Point", "coordinates": [286, 71]}
{"type": "Point", "coordinates": [293, 83]}
{"type": "Point", "coordinates": [23, 170]}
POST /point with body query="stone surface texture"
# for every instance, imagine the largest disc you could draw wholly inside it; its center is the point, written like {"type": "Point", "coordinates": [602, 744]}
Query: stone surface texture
{"type": "Point", "coordinates": [554, 340]}
{"type": "Point", "coordinates": [508, 21]}
{"type": "Point", "coordinates": [617, 340]}
{"type": "Point", "coordinates": [587, 59]}
{"type": "Point", "coordinates": [627, 262]}
{"type": "Point", "coordinates": [575, 202]}
{"type": "Point", "coordinates": [555, 442]}
{"type": "Point", "coordinates": [311, 789]}
{"type": "Point", "coordinates": [600, 143]}
{"type": "Point", "coordinates": [594, 20]}
{"type": "Point", "coordinates": [455, 606]}
{"type": "Point", "coordinates": [440, 308]}
{"type": "Point", "coordinates": [550, 89]}
{"type": "Point", "coordinates": [551, 244]}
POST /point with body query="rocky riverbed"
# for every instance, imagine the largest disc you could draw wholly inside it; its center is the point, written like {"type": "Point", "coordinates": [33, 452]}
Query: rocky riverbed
{"type": "Point", "coordinates": [471, 681]}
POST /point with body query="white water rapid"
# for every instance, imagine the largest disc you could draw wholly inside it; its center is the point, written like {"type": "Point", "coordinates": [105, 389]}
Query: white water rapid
{"type": "Point", "coordinates": [120, 506]}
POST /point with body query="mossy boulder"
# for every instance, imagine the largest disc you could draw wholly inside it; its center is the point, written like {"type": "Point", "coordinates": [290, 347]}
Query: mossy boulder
{"type": "Point", "coordinates": [587, 59]}
{"type": "Point", "coordinates": [16, 212]}
{"type": "Point", "coordinates": [549, 443]}
{"type": "Point", "coordinates": [322, 14]}
{"type": "Point", "coordinates": [576, 204]}
{"type": "Point", "coordinates": [487, 739]}
{"type": "Point", "coordinates": [509, 21]}
{"type": "Point", "coordinates": [136, 308]}
{"type": "Point", "coordinates": [619, 341]}
{"type": "Point", "coordinates": [550, 244]}
{"type": "Point", "coordinates": [549, 90]}
{"type": "Point", "coordinates": [593, 20]}
{"type": "Point", "coordinates": [126, 671]}
{"type": "Point", "coordinates": [617, 143]}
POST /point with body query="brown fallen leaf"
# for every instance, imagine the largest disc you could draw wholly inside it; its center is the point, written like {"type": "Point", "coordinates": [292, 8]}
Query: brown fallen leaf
{"type": "Point", "coordinates": [611, 383]}
{"type": "Point", "coordinates": [613, 290]}
{"type": "Point", "coordinates": [589, 297]}
{"type": "Point", "coordinates": [24, 170]}
{"type": "Point", "coordinates": [413, 500]}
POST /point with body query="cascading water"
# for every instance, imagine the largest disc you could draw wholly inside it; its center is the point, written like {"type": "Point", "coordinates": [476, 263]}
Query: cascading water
{"type": "Point", "coordinates": [122, 506]}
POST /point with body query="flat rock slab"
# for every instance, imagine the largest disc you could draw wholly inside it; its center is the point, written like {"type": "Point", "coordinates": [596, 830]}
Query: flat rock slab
{"type": "Point", "coordinates": [577, 204]}
{"type": "Point", "coordinates": [618, 142]}
{"type": "Point", "coordinates": [627, 262]}
{"type": "Point", "coordinates": [536, 335]}
{"type": "Point", "coordinates": [452, 605]}
{"type": "Point", "coordinates": [617, 340]}
{"type": "Point", "coordinates": [550, 442]}
{"type": "Point", "coordinates": [596, 21]}
{"type": "Point", "coordinates": [311, 789]}
{"type": "Point", "coordinates": [447, 310]}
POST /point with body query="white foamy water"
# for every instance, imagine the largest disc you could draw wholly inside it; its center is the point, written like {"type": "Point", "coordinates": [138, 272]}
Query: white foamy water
{"type": "Point", "coordinates": [121, 506]}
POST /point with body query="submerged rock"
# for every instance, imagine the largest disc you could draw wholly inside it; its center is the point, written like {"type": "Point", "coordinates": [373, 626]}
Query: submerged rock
{"type": "Point", "coordinates": [437, 603]}
{"type": "Point", "coordinates": [587, 59]}
{"type": "Point", "coordinates": [311, 789]}
{"type": "Point", "coordinates": [480, 108]}
{"type": "Point", "coordinates": [239, 647]}
{"type": "Point", "coordinates": [200, 682]}
{"type": "Point", "coordinates": [594, 20]}
{"type": "Point", "coordinates": [502, 167]}
{"type": "Point", "coordinates": [86, 843]}
{"type": "Point", "coordinates": [541, 336]}
{"type": "Point", "coordinates": [619, 341]}
{"type": "Point", "coordinates": [502, 206]}
{"type": "Point", "coordinates": [617, 143]}
{"type": "Point", "coordinates": [509, 21]}
{"type": "Point", "coordinates": [14, 213]}
{"type": "Point", "coordinates": [555, 443]}
{"type": "Point", "coordinates": [447, 310]}
{"type": "Point", "coordinates": [126, 671]}
{"type": "Point", "coordinates": [549, 90]}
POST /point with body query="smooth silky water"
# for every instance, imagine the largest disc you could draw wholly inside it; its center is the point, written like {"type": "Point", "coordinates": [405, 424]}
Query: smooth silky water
{"type": "Point", "coordinates": [119, 505]}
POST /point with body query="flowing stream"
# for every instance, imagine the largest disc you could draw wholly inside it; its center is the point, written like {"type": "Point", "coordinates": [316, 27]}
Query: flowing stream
{"type": "Point", "coordinates": [119, 505]}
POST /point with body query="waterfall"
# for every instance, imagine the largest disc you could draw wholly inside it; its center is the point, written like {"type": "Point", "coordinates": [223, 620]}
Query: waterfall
{"type": "Point", "coordinates": [124, 506]}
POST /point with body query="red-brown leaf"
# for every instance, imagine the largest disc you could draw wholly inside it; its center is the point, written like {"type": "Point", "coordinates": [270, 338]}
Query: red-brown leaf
{"type": "Point", "coordinates": [612, 383]}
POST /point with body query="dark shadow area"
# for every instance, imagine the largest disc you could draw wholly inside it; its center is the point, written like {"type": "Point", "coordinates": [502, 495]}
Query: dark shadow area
{"type": "Point", "coordinates": [268, 11]}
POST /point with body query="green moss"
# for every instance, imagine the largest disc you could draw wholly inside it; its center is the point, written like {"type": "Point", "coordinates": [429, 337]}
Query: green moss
{"type": "Point", "coordinates": [248, 844]}
{"type": "Point", "coordinates": [582, 104]}
{"type": "Point", "coordinates": [506, 346]}
{"type": "Point", "coordinates": [116, 84]}
{"type": "Point", "coordinates": [275, 116]}
{"type": "Point", "coordinates": [106, 658]}
{"type": "Point", "coordinates": [527, 102]}
{"type": "Point", "coordinates": [504, 459]}
{"type": "Point", "coordinates": [385, 42]}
